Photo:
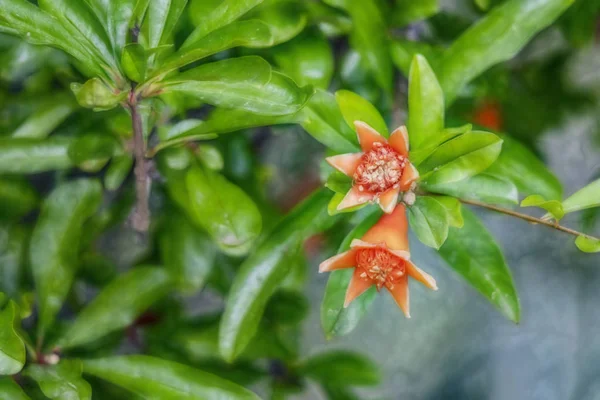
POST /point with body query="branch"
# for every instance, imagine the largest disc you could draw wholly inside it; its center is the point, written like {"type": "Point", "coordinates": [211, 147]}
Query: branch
{"type": "Point", "coordinates": [141, 214]}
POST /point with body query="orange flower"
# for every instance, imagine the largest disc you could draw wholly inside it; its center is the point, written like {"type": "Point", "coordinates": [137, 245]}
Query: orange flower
{"type": "Point", "coordinates": [380, 172]}
{"type": "Point", "coordinates": [381, 258]}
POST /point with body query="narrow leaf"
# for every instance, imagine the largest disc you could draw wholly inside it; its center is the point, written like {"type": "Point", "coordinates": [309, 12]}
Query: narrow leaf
{"type": "Point", "coordinates": [482, 187]}
{"type": "Point", "coordinates": [588, 244]}
{"type": "Point", "coordinates": [46, 118]}
{"type": "Point", "coordinates": [356, 108]}
{"type": "Point", "coordinates": [584, 198]}
{"type": "Point", "coordinates": [61, 381]}
{"type": "Point", "coordinates": [10, 390]}
{"type": "Point", "coordinates": [133, 61]}
{"type": "Point", "coordinates": [429, 220]}
{"type": "Point", "coordinates": [12, 348]}
{"type": "Point", "coordinates": [28, 156]}
{"type": "Point", "coordinates": [13, 242]}
{"type": "Point", "coordinates": [341, 368]}
{"type": "Point", "coordinates": [209, 16]}
{"type": "Point", "coordinates": [554, 207]}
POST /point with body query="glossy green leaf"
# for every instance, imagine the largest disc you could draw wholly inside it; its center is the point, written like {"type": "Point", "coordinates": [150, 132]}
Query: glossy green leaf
{"type": "Point", "coordinates": [13, 242]}
{"type": "Point", "coordinates": [336, 200]}
{"type": "Point", "coordinates": [520, 166]}
{"type": "Point", "coordinates": [12, 348]}
{"type": "Point", "coordinates": [307, 59]}
{"type": "Point", "coordinates": [117, 17]}
{"type": "Point", "coordinates": [339, 182]}
{"type": "Point", "coordinates": [134, 61]}
{"type": "Point", "coordinates": [266, 267]}
{"type": "Point", "coordinates": [425, 104]}
{"type": "Point", "coordinates": [30, 156]}
{"type": "Point", "coordinates": [417, 156]}
{"type": "Point", "coordinates": [117, 305]}
{"type": "Point", "coordinates": [335, 319]}
{"type": "Point", "coordinates": [151, 377]}
{"type": "Point", "coordinates": [472, 252]}
{"type": "Point", "coordinates": [246, 82]}
{"type": "Point", "coordinates": [224, 210]}
{"type": "Point", "coordinates": [461, 158]}
{"type": "Point", "coordinates": [403, 52]}
{"type": "Point", "coordinates": [61, 381]}
{"type": "Point", "coordinates": [96, 95]}
{"type": "Point", "coordinates": [46, 118]}
{"type": "Point", "coordinates": [17, 198]}
{"type": "Point", "coordinates": [356, 108]}
{"type": "Point", "coordinates": [584, 198]}
{"type": "Point", "coordinates": [93, 147]}
{"type": "Point", "coordinates": [54, 243]}
{"type": "Point", "coordinates": [497, 37]}
{"type": "Point", "coordinates": [453, 208]}
{"type": "Point", "coordinates": [210, 157]}
{"type": "Point", "coordinates": [554, 207]}
{"type": "Point", "coordinates": [209, 16]}
{"type": "Point", "coordinates": [483, 187]}
{"type": "Point", "coordinates": [117, 171]}
{"type": "Point", "coordinates": [409, 11]}
{"type": "Point", "coordinates": [342, 368]}
{"type": "Point", "coordinates": [588, 244]}
{"type": "Point", "coordinates": [187, 253]}
{"type": "Point", "coordinates": [10, 390]}
{"type": "Point", "coordinates": [429, 220]}
{"type": "Point", "coordinates": [285, 18]}
{"type": "Point", "coordinates": [161, 17]}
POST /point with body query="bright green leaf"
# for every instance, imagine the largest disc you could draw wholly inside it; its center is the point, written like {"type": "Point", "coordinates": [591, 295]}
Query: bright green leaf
{"type": "Point", "coordinates": [93, 147]}
{"type": "Point", "coordinates": [554, 207]}
{"type": "Point", "coordinates": [429, 220]}
{"type": "Point", "coordinates": [210, 15]}
{"type": "Point", "coordinates": [152, 377]}
{"type": "Point", "coordinates": [588, 244]}
{"type": "Point", "coordinates": [453, 208]}
{"type": "Point", "coordinates": [404, 51]}
{"type": "Point", "coordinates": [210, 157]}
{"type": "Point", "coordinates": [409, 11]}
{"type": "Point", "coordinates": [29, 156]}
{"type": "Point", "coordinates": [285, 18]}
{"type": "Point", "coordinates": [13, 242]}
{"type": "Point", "coordinates": [117, 16]}
{"type": "Point", "coordinates": [472, 252]}
{"type": "Point", "coordinates": [46, 118]}
{"type": "Point", "coordinates": [17, 198]}
{"type": "Point", "coordinates": [12, 348]}
{"type": "Point", "coordinates": [95, 94]}
{"type": "Point", "coordinates": [54, 243]}
{"type": "Point", "coordinates": [419, 155]}
{"type": "Point", "coordinates": [161, 17]}
{"type": "Point", "coordinates": [587, 197]}
{"type": "Point", "coordinates": [10, 390]}
{"type": "Point", "coordinates": [483, 187]}
{"type": "Point", "coordinates": [61, 381]}
{"type": "Point", "coordinates": [356, 108]}
{"type": "Point", "coordinates": [332, 207]}
{"type": "Point", "coordinates": [342, 368]}
{"type": "Point", "coordinates": [133, 61]}
{"type": "Point", "coordinates": [339, 182]}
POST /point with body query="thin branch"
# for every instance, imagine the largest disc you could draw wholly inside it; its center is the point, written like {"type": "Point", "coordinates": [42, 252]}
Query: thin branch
{"type": "Point", "coordinates": [141, 215]}
{"type": "Point", "coordinates": [528, 218]}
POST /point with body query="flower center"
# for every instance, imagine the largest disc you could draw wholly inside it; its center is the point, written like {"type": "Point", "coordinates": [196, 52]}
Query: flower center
{"type": "Point", "coordinates": [380, 267]}
{"type": "Point", "coordinates": [379, 169]}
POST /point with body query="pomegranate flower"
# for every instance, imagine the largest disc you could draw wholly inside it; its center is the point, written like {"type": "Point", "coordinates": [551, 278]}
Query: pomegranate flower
{"type": "Point", "coordinates": [381, 258]}
{"type": "Point", "coordinates": [380, 172]}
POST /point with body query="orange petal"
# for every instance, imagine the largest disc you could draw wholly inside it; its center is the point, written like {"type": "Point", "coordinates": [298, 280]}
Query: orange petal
{"type": "Point", "coordinates": [343, 260]}
{"type": "Point", "coordinates": [345, 163]}
{"type": "Point", "coordinates": [389, 199]}
{"type": "Point", "coordinates": [391, 229]}
{"type": "Point", "coordinates": [409, 175]}
{"type": "Point", "coordinates": [421, 276]}
{"type": "Point", "coordinates": [357, 287]}
{"type": "Point", "coordinates": [354, 197]}
{"type": "Point", "coordinates": [399, 141]}
{"type": "Point", "coordinates": [400, 294]}
{"type": "Point", "coordinates": [367, 136]}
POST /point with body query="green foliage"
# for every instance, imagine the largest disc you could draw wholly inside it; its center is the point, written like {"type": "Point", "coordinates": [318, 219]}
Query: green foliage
{"type": "Point", "coordinates": [12, 349]}
{"type": "Point", "coordinates": [430, 221]}
{"type": "Point", "coordinates": [61, 381]}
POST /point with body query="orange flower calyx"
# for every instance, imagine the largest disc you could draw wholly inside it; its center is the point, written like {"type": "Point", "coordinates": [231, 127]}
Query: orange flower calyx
{"type": "Point", "coordinates": [381, 258]}
{"type": "Point", "coordinates": [380, 172]}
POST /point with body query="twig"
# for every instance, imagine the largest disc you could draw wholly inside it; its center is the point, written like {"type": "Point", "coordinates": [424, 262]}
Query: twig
{"type": "Point", "coordinates": [141, 215]}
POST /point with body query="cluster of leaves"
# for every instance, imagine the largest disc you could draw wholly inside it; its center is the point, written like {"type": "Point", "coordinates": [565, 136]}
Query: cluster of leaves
{"type": "Point", "coordinates": [172, 79]}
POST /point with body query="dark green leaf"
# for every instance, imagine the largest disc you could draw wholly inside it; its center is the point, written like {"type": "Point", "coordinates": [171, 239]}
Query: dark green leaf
{"type": "Point", "coordinates": [335, 319]}
{"type": "Point", "coordinates": [425, 104]}
{"type": "Point", "coordinates": [161, 17]}
{"type": "Point", "coordinates": [62, 381]}
{"type": "Point", "coordinates": [95, 94]}
{"type": "Point", "coordinates": [12, 348]}
{"type": "Point", "coordinates": [155, 378]}
{"type": "Point", "coordinates": [93, 147]}
{"type": "Point", "coordinates": [13, 242]}
{"type": "Point", "coordinates": [482, 187]}
{"type": "Point", "coordinates": [554, 207]}
{"type": "Point", "coordinates": [472, 252]}
{"type": "Point", "coordinates": [10, 390]}
{"type": "Point", "coordinates": [408, 11]}
{"type": "Point", "coordinates": [17, 198]}
{"type": "Point", "coordinates": [117, 16]}
{"type": "Point", "coordinates": [117, 305]}
{"type": "Point", "coordinates": [187, 253]}
{"type": "Point", "coordinates": [430, 221]}
{"type": "Point", "coordinates": [260, 273]}
{"type": "Point", "coordinates": [341, 368]}
{"type": "Point", "coordinates": [587, 197]}
{"type": "Point", "coordinates": [287, 307]}
{"type": "Point", "coordinates": [339, 393]}
{"type": "Point", "coordinates": [46, 118]}
{"type": "Point", "coordinates": [28, 156]}
{"type": "Point", "coordinates": [54, 243]}
{"type": "Point", "coordinates": [210, 15]}
{"type": "Point", "coordinates": [117, 171]}
{"type": "Point", "coordinates": [133, 61]}
{"type": "Point", "coordinates": [495, 38]}
{"type": "Point", "coordinates": [356, 108]}
{"type": "Point", "coordinates": [588, 244]}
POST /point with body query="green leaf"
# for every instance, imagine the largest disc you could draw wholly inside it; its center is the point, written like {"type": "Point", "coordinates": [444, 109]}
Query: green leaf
{"type": "Point", "coordinates": [61, 381]}
{"type": "Point", "coordinates": [117, 305]}
{"type": "Point", "coordinates": [13, 242]}
{"type": "Point", "coordinates": [341, 368]}
{"type": "Point", "coordinates": [472, 252]}
{"type": "Point", "coordinates": [46, 118]}
{"type": "Point", "coordinates": [117, 17]}
{"type": "Point", "coordinates": [425, 104]}
{"type": "Point", "coordinates": [17, 198]}
{"type": "Point", "coordinates": [339, 182]}
{"type": "Point", "coordinates": [408, 11]}
{"type": "Point", "coordinates": [335, 319]}
{"type": "Point", "coordinates": [584, 198]}
{"type": "Point", "coordinates": [12, 348]}
{"type": "Point", "coordinates": [461, 158]}
{"type": "Point", "coordinates": [96, 95]}
{"type": "Point", "coordinates": [307, 59]}
{"type": "Point", "coordinates": [287, 307]}
{"type": "Point", "coordinates": [117, 171]}
{"type": "Point", "coordinates": [54, 243]}
{"type": "Point", "coordinates": [210, 157]}
{"type": "Point", "coordinates": [224, 210]}
{"type": "Point", "coordinates": [260, 273]}
{"type": "Point", "coordinates": [209, 16]}
{"type": "Point", "coordinates": [246, 82]}
{"type": "Point", "coordinates": [497, 37]}
{"type": "Point", "coordinates": [285, 18]}
{"type": "Point", "coordinates": [588, 244]}
{"type": "Point", "coordinates": [554, 207]}
{"type": "Point", "coordinates": [482, 187]}
{"type": "Point", "coordinates": [134, 61]}
{"type": "Point", "coordinates": [356, 108]}
{"type": "Point", "coordinates": [187, 253]}
{"type": "Point", "coordinates": [335, 202]}
{"type": "Point", "coordinates": [419, 155]}
{"type": "Point", "coordinates": [453, 208]}
{"type": "Point", "coordinates": [520, 166]}
{"type": "Point", "coordinates": [93, 147]}
{"type": "Point", "coordinates": [151, 377]}
{"type": "Point", "coordinates": [404, 51]}
{"type": "Point", "coordinates": [430, 221]}
{"type": "Point", "coordinates": [339, 393]}
{"type": "Point", "coordinates": [29, 156]}
{"type": "Point", "coordinates": [161, 17]}
{"type": "Point", "coordinates": [10, 390]}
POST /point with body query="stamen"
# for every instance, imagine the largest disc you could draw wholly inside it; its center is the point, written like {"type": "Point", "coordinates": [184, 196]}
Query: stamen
{"type": "Point", "coordinates": [379, 169]}
{"type": "Point", "coordinates": [380, 266]}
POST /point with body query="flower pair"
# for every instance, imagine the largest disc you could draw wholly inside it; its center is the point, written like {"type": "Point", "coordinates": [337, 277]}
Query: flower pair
{"type": "Point", "coordinates": [381, 257]}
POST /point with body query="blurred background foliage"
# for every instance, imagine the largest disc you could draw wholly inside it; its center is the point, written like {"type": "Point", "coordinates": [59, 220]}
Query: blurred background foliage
{"type": "Point", "coordinates": [546, 97]}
